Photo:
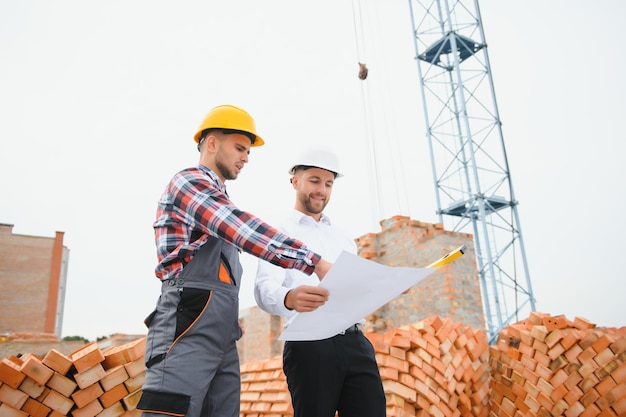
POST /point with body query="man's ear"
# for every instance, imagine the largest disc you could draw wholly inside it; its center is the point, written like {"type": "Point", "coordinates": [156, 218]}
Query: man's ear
{"type": "Point", "coordinates": [211, 143]}
{"type": "Point", "coordinates": [294, 181]}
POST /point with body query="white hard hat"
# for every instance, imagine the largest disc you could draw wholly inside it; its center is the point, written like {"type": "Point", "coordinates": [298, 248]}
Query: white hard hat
{"type": "Point", "coordinates": [318, 158]}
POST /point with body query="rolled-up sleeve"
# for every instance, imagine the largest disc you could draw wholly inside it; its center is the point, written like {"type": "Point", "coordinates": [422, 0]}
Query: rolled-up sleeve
{"type": "Point", "coordinates": [209, 209]}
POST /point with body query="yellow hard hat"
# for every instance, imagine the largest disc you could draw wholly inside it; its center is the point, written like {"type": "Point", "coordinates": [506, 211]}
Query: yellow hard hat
{"type": "Point", "coordinates": [229, 117]}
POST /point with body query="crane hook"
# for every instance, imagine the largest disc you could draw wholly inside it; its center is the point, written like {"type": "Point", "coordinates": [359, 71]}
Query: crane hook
{"type": "Point", "coordinates": [362, 71]}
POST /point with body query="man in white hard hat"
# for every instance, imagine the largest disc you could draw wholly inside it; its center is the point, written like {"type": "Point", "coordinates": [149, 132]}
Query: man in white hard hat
{"type": "Point", "coordinates": [339, 374]}
{"type": "Point", "coordinates": [192, 364]}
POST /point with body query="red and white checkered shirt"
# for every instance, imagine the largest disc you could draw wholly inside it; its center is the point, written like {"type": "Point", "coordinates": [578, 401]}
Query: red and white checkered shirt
{"type": "Point", "coordinates": [195, 205]}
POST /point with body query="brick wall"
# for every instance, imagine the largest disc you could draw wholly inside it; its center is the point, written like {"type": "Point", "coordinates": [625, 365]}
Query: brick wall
{"type": "Point", "coordinates": [32, 282]}
{"type": "Point", "coordinates": [453, 291]}
{"type": "Point", "coordinates": [260, 340]}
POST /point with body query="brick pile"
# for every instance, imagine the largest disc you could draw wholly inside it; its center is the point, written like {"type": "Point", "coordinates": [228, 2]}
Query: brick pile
{"type": "Point", "coordinates": [86, 383]}
{"type": "Point", "coordinates": [435, 367]}
{"type": "Point", "coordinates": [550, 366]}
{"type": "Point", "coordinates": [264, 389]}
{"type": "Point", "coordinates": [543, 366]}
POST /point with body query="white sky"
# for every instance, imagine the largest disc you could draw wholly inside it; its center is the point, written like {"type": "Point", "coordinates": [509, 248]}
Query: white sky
{"type": "Point", "coordinates": [99, 102]}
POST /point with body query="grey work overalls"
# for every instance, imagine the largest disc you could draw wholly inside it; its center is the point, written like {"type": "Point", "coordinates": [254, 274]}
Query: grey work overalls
{"type": "Point", "coordinates": [192, 364]}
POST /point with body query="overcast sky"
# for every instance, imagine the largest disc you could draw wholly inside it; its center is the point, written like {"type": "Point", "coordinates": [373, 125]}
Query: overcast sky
{"type": "Point", "coordinates": [99, 102]}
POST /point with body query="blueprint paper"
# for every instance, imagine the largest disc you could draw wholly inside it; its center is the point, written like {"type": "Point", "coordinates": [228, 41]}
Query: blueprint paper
{"type": "Point", "coordinates": [357, 287]}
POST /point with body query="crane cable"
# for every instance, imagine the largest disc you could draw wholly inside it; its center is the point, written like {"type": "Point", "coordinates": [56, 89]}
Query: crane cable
{"type": "Point", "coordinates": [359, 38]}
{"type": "Point", "coordinates": [397, 164]}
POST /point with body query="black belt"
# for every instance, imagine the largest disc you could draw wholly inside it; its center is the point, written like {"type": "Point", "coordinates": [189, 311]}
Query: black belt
{"type": "Point", "coordinates": [355, 328]}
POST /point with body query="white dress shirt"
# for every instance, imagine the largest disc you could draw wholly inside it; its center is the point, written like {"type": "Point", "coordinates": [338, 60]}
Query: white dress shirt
{"type": "Point", "coordinates": [273, 282]}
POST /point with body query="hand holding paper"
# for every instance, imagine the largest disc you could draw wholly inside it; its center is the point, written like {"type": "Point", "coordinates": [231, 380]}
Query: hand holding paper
{"type": "Point", "coordinates": [306, 298]}
{"type": "Point", "coordinates": [357, 287]}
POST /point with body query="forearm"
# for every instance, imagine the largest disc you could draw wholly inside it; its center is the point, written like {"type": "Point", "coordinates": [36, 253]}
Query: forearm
{"type": "Point", "coordinates": [251, 235]}
{"type": "Point", "coordinates": [206, 207]}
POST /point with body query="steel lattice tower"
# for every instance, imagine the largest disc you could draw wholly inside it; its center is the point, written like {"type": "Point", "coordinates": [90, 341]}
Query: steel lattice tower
{"type": "Point", "coordinates": [473, 186]}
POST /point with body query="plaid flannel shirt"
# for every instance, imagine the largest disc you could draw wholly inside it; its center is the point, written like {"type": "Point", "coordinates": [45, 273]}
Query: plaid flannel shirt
{"type": "Point", "coordinates": [195, 205]}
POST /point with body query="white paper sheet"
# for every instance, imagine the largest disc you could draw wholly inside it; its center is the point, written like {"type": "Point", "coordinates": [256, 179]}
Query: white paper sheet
{"type": "Point", "coordinates": [357, 287]}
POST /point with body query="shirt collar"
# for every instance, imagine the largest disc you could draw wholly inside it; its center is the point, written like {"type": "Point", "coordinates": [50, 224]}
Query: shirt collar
{"type": "Point", "coordinates": [213, 177]}
{"type": "Point", "coordinates": [301, 218]}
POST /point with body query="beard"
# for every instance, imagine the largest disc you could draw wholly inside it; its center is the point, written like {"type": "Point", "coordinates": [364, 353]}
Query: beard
{"type": "Point", "coordinates": [227, 173]}
{"type": "Point", "coordinates": [313, 206]}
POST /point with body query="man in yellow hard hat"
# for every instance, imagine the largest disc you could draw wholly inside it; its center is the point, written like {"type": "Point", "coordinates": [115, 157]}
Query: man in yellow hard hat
{"type": "Point", "coordinates": [192, 364]}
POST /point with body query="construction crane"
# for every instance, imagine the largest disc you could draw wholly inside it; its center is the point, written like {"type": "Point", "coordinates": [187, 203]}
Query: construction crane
{"type": "Point", "coordinates": [473, 186]}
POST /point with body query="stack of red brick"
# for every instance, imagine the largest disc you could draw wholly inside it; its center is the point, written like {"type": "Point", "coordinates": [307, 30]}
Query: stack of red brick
{"type": "Point", "coordinates": [550, 366]}
{"type": "Point", "coordinates": [433, 368]}
{"type": "Point", "coordinates": [264, 389]}
{"type": "Point", "coordinates": [85, 383]}
{"type": "Point", "coordinates": [543, 366]}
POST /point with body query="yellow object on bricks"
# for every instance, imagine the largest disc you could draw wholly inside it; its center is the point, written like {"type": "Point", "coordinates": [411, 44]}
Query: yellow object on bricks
{"type": "Point", "coordinates": [446, 259]}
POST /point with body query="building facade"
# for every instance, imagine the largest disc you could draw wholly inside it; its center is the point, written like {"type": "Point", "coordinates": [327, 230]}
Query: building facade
{"type": "Point", "coordinates": [33, 276]}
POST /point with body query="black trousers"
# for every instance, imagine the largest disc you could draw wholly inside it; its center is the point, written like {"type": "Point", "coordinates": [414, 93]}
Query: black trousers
{"type": "Point", "coordinates": [336, 374]}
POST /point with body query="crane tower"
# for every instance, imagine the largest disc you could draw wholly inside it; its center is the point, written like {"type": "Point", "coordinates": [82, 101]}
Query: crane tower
{"type": "Point", "coordinates": [473, 187]}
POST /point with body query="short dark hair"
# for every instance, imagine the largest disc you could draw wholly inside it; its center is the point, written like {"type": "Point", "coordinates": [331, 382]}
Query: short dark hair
{"type": "Point", "coordinates": [206, 132]}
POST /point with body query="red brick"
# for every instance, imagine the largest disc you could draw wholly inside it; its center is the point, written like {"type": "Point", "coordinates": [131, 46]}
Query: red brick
{"type": "Point", "coordinates": [31, 387]}
{"type": "Point", "coordinates": [89, 376]}
{"type": "Point", "coordinates": [33, 368]}
{"type": "Point", "coordinates": [10, 373]}
{"type": "Point", "coordinates": [113, 377]}
{"type": "Point", "coordinates": [113, 395]}
{"type": "Point", "coordinates": [583, 324]}
{"type": "Point", "coordinates": [62, 384]}
{"type": "Point", "coordinates": [94, 408]}
{"type": "Point", "coordinates": [58, 402]}
{"type": "Point", "coordinates": [84, 396]}
{"type": "Point", "coordinates": [7, 411]}
{"type": "Point", "coordinates": [131, 400]}
{"type": "Point", "coordinates": [11, 396]}
{"type": "Point", "coordinates": [57, 361]}
{"type": "Point", "coordinates": [35, 409]}
{"type": "Point", "coordinates": [87, 357]}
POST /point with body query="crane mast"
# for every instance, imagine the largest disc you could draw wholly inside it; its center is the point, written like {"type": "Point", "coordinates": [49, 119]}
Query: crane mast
{"type": "Point", "coordinates": [473, 187]}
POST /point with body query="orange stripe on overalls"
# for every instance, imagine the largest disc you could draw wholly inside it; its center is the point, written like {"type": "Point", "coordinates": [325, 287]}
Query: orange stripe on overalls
{"type": "Point", "coordinates": [223, 274]}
